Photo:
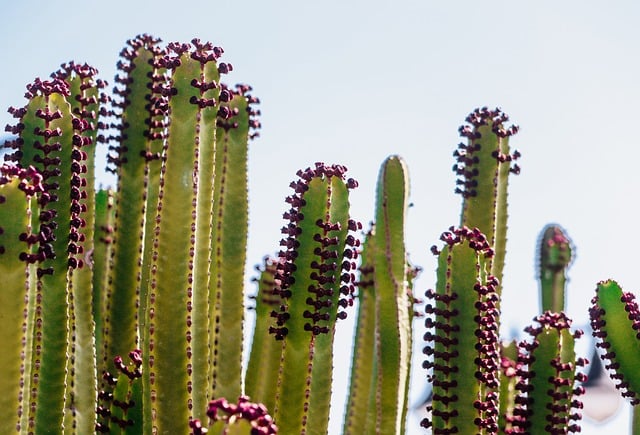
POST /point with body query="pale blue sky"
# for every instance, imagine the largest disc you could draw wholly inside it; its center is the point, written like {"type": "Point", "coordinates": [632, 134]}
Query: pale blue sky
{"type": "Point", "coordinates": [352, 82]}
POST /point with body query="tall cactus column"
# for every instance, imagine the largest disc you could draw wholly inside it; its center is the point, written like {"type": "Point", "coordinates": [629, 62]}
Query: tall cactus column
{"type": "Point", "coordinates": [53, 138]}
{"type": "Point", "coordinates": [315, 281]}
{"type": "Point", "coordinates": [129, 159]}
{"type": "Point", "coordinates": [171, 284]}
{"type": "Point", "coordinates": [18, 188]}
{"type": "Point", "coordinates": [464, 334]}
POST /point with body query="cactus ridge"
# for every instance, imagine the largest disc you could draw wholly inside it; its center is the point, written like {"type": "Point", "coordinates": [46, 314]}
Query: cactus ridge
{"type": "Point", "coordinates": [361, 395]}
{"type": "Point", "coordinates": [265, 356]}
{"type": "Point", "coordinates": [615, 320]}
{"type": "Point", "coordinates": [138, 107]}
{"type": "Point", "coordinates": [236, 121]}
{"type": "Point", "coordinates": [17, 240]}
{"type": "Point", "coordinates": [464, 254]}
{"type": "Point", "coordinates": [548, 394]}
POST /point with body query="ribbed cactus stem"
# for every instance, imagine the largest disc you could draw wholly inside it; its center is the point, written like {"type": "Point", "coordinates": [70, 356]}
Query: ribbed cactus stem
{"type": "Point", "coordinates": [17, 187]}
{"type": "Point", "coordinates": [484, 164]}
{"type": "Point", "coordinates": [393, 304]}
{"type": "Point", "coordinates": [554, 258]}
{"type": "Point", "coordinates": [615, 320]}
{"type": "Point", "coordinates": [207, 87]}
{"type": "Point", "coordinates": [508, 380]}
{"type": "Point", "coordinates": [85, 98]}
{"type": "Point", "coordinates": [119, 399]}
{"type": "Point", "coordinates": [49, 133]}
{"type": "Point", "coordinates": [548, 388]}
{"type": "Point", "coordinates": [363, 402]}
{"type": "Point", "coordinates": [129, 158]}
{"type": "Point", "coordinates": [316, 282]}
{"type": "Point", "coordinates": [463, 333]}
{"type": "Point", "coordinates": [264, 359]}
{"type": "Point", "coordinates": [171, 285]}
{"type": "Point", "coordinates": [229, 226]}
{"type": "Point", "coordinates": [103, 242]}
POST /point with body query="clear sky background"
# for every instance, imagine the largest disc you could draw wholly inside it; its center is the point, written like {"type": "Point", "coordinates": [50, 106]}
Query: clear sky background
{"type": "Point", "coordinates": [352, 82]}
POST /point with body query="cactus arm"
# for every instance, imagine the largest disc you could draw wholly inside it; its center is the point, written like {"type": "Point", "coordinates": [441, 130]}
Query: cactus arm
{"type": "Point", "coordinates": [171, 326]}
{"type": "Point", "coordinates": [547, 387]}
{"type": "Point", "coordinates": [131, 148]}
{"type": "Point", "coordinates": [484, 165]}
{"type": "Point", "coordinates": [615, 319]}
{"type": "Point", "coordinates": [228, 245]}
{"type": "Point", "coordinates": [464, 350]}
{"type": "Point", "coordinates": [101, 254]}
{"type": "Point", "coordinates": [264, 360]}
{"type": "Point", "coordinates": [360, 416]}
{"type": "Point", "coordinates": [16, 321]}
{"type": "Point", "coordinates": [85, 100]}
{"type": "Point", "coordinates": [323, 348]}
{"type": "Point", "coordinates": [310, 278]}
{"type": "Point", "coordinates": [392, 302]}
{"type": "Point", "coordinates": [169, 289]}
{"type": "Point", "coordinates": [47, 135]}
{"type": "Point", "coordinates": [554, 258]}
{"type": "Point", "coordinates": [209, 90]}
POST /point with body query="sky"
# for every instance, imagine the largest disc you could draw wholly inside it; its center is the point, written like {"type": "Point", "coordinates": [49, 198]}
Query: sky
{"type": "Point", "coordinates": [352, 82]}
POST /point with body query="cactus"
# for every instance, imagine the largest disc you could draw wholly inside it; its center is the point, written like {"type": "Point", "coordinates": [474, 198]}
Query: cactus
{"type": "Point", "coordinates": [548, 390]}
{"type": "Point", "coordinates": [478, 384]}
{"type": "Point", "coordinates": [154, 269]}
{"type": "Point", "coordinates": [554, 258]}
{"type": "Point", "coordinates": [378, 392]}
{"type": "Point", "coordinates": [614, 319]}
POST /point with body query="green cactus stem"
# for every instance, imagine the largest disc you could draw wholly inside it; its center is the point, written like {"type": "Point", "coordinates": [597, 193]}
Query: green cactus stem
{"type": "Point", "coordinates": [508, 380]}
{"type": "Point", "coordinates": [17, 187]}
{"type": "Point", "coordinates": [462, 325]}
{"type": "Point", "coordinates": [315, 279]}
{"type": "Point", "coordinates": [261, 381]}
{"type": "Point", "coordinates": [131, 152]}
{"type": "Point", "coordinates": [171, 283]}
{"type": "Point", "coordinates": [361, 416]}
{"type": "Point", "coordinates": [382, 357]}
{"type": "Point", "coordinates": [549, 395]}
{"type": "Point", "coordinates": [615, 320]}
{"type": "Point", "coordinates": [197, 235]}
{"type": "Point", "coordinates": [483, 165]}
{"type": "Point", "coordinates": [118, 400]}
{"type": "Point", "coordinates": [49, 134]}
{"type": "Point", "coordinates": [393, 305]}
{"type": "Point", "coordinates": [103, 242]}
{"type": "Point", "coordinates": [85, 99]}
{"type": "Point", "coordinates": [555, 254]}
{"type": "Point", "coordinates": [229, 225]}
